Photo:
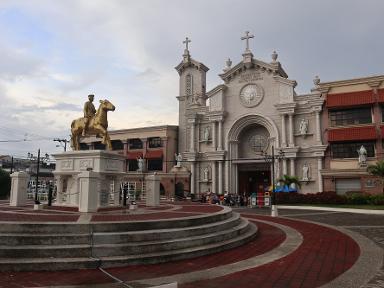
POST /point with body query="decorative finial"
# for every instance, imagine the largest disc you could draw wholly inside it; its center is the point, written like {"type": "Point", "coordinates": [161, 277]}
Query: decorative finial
{"type": "Point", "coordinates": [246, 38]}
{"type": "Point", "coordinates": [274, 56]}
{"type": "Point", "coordinates": [316, 81]}
{"type": "Point", "coordinates": [228, 64]}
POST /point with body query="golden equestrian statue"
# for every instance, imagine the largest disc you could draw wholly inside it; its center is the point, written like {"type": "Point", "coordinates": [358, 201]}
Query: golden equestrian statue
{"type": "Point", "coordinates": [93, 123]}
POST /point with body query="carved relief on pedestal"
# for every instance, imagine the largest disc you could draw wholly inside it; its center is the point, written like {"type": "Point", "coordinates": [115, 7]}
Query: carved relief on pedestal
{"type": "Point", "coordinates": [67, 164]}
{"type": "Point", "coordinates": [84, 164]}
{"type": "Point", "coordinates": [112, 165]}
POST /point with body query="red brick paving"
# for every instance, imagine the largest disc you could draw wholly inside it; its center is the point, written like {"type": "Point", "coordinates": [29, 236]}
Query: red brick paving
{"type": "Point", "coordinates": [201, 208]}
{"type": "Point", "coordinates": [324, 254]}
{"type": "Point", "coordinates": [135, 217]}
{"type": "Point", "coordinates": [38, 218]}
{"type": "Point", "coordinates": [269, 237]}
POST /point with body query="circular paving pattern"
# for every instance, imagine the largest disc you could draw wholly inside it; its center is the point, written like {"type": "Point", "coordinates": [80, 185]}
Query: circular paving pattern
{"type": "Point", "coordinates": [286, 253]}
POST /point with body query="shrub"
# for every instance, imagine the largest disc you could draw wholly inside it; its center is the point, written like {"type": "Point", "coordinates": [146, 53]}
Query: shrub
{"type": "Point", "coordinates": [357, 199]}
{"type": "Point", "coordinates": [376, 200]}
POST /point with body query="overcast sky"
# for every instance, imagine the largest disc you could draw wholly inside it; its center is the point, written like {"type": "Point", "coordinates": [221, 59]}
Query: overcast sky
{"type": "Point", "coordinates": [54, 53]}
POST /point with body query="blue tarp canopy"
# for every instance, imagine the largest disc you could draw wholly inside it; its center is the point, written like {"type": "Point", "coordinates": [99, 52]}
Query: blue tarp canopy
{"type": "Point", "coordinates": [285, 188]}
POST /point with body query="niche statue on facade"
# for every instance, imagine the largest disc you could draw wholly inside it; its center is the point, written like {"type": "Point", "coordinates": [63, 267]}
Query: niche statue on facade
{"type": "Point", "coordinates": [362, 156]}
{"type": "Point", "coordinates": [305, 172]}
{"type": "Point", "coordinates": [178, 158]}
{"type": "Point", "coordinates": [206, 134]}
{"type": "Point", "coordinates": [140, 164]}
{"type": "Point", "coordinates": [206, 174]}
{"type": "Point", "coordinates": [303, 129]}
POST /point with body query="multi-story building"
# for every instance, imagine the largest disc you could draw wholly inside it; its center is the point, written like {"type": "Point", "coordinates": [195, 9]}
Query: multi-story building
{"type": "Point", "coordinates": [157, 146]}
{"type": "Point", "coordinates": [352, 117]}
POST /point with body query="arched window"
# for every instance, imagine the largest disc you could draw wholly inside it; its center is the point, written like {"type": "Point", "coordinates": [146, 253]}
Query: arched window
{"type": "Point", "coordinates": [188, 85]}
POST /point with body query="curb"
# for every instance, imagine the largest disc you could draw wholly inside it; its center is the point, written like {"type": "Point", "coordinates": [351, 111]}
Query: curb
{"type": "Point", "coordinates": [341, 210]}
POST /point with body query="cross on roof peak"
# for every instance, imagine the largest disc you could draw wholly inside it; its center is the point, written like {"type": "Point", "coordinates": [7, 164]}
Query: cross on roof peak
{"type": "Point", "coordinates": [186, 41]}
{"type": "Point", "coordinates": [246, 38]}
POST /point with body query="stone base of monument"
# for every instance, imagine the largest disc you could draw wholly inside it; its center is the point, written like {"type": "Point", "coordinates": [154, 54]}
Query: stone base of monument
{"type": "Point", "coordinates": [88, 177]}
{"type": "Point", "coordinates": [19, 189]}
{"type": "Point", "coordinates": [34, 246]}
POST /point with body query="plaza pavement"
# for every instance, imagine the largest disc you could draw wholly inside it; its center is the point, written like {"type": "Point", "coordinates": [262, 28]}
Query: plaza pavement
{"type": "Point", "coordinates": [301, 248]}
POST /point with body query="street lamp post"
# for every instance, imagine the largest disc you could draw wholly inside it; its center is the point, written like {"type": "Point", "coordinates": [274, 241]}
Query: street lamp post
{"type": "Point", "coordinates": [30, 155]}
{"type": "Point", "coordinates": [271, 159]}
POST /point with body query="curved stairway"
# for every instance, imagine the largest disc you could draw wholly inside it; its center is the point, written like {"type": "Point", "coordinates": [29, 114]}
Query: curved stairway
{"type": "Point", "coordinates": [60, 246]}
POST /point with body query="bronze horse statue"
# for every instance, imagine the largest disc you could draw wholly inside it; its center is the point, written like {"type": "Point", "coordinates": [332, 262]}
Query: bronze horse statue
{"type": "Point", "coordinates": [97, 125]}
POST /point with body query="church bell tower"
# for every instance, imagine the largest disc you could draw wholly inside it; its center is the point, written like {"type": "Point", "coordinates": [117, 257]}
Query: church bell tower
{"type": "Point", "coordinates": [192, 92]}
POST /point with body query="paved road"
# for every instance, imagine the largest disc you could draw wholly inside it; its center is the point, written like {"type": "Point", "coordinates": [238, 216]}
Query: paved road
{"type": "Point", "coordinates": [370, 226]}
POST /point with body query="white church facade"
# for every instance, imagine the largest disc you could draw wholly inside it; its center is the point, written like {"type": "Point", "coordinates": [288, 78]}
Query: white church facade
{"type": "Point", "coordinates": [225, 132]}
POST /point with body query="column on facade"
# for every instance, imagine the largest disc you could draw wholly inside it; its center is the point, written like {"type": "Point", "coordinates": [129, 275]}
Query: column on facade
{"type": "Point", "coordinates": [220, 189]}
{"type": "Point", "coordinates": [145, 148]}
{"type": "Point", "coordinates": [319, 178]}
{"type": "Point", "coordinates": [214, 177]}
{"type": "Point", "coordinates": [236, 166]}
{"type": "Point", "coordinates": [318, 127]}
{"type": "Point", "coordinates": [126, 148]}
{"type": "Point", "coordinates": [192, 144]}
{"type": "Point", "coordinates": [197, 127]}
{"type": "Point", "coordinates": [285, 167]}
{"type": "Point", "coordinates": [193, 177]}
{"type": "Point", "coordinates": [283, 132]}
{"type": "Point", "coordinates": [291, 130]}
{"type": "Point", "coordinates": [292, 166]}
{"type": "Point", "coordinates": [165, 154]}
{"type": "Point", "coordinates": [220, 147]}
{"type": "Point", "coordinates": [214, 135]}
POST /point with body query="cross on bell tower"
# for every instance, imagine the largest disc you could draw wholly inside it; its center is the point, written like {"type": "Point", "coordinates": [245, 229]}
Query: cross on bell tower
{"type": "Point", "coordinates": [186, 55]}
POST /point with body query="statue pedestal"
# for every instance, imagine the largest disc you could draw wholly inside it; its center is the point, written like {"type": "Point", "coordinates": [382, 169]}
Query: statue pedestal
{"type": "Point", "coordinates": [89, 198]}
{"type": "Point", "coordinates": [19, 189]}
{"type": "Point", "coordinates": [152, 183]}
{"type": "Point", "coordinates": [88, 179]}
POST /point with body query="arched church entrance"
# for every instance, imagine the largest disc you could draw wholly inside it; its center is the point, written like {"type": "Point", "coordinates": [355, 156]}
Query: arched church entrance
{"type": "Point", "coordinates": [253, 178]}
{"type": "Point", "coordinates": [254, 174]}
{"type": "Point", "coordinates": [249, 138]}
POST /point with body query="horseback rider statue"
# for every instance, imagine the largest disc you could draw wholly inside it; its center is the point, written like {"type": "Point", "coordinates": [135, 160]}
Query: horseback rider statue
{"type": "Point", "coordinates": [89, 112]}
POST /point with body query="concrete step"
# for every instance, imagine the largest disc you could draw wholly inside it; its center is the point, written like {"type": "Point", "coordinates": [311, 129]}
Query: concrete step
{"type": "Point", "coordinates": [45, 251]}
{"type": "Point", "coordinates": [103, 250]}
{"type": "Point", "coordinates": [53, 264]}
{"type": "Point", "coordinates": [163, 223]}
{"type": "Point", "coordinates": [173, 255]}
{"type": "Point", "coordinates": [47, 264]}
{"type": "Point", "coordinates": [52, 246]}
{"type": "Point", "coordinates": [162, 234]}
{"type": "Point", "coordinates": [44, 228]}
{"type": "Point", "coordinates": [16, 239]}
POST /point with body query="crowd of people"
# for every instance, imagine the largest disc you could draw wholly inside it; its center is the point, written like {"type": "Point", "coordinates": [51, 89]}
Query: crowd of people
{"type": "Point", "coordinates": [227, 199]}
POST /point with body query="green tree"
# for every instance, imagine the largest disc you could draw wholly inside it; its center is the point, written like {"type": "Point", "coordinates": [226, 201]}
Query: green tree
{"type": "Point", "coordinates": [5, 184]}
{"type": "Point", "coordinates": [377, 170]}
{"type": "Point", "coordinates": [289, 180]}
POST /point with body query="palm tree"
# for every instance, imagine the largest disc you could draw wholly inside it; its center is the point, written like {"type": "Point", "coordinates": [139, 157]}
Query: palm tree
{"type": "Point", "coordinates": [377, 170]}
{"type": "Point", "coordinates": [289, 180]}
